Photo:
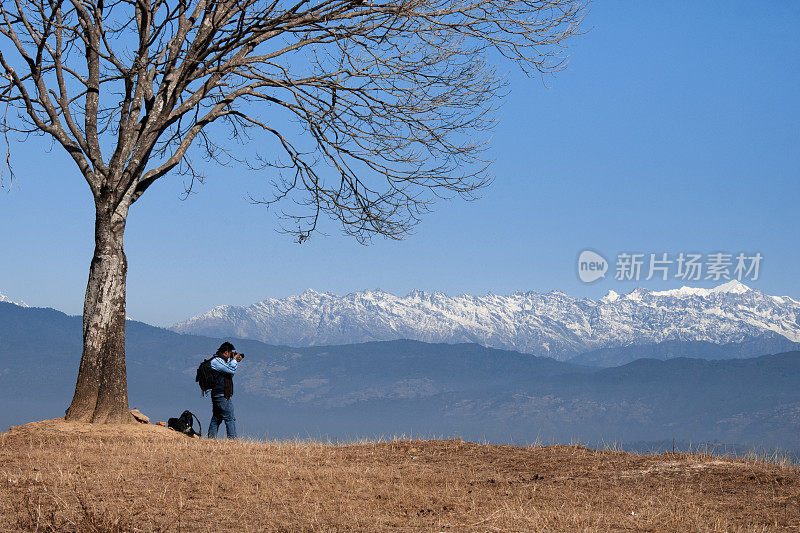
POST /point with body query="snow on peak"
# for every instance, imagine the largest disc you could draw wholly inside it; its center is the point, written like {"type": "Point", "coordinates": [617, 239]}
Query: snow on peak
{"type": "Point", "coordinates": [731, 287]}
{"type": "Point", "coordinates": [611, 297]}
{"type": "Point", "coordinates": [6, 299]}
{"type": "Point", "coordinates": [637, 294]}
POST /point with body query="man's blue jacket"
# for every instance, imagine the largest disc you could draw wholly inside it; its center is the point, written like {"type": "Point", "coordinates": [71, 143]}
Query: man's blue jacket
{"type": "Point", "coordinates": [224, 370]}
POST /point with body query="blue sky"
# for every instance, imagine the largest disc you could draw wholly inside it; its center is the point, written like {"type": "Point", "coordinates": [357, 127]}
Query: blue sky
{"type": "Point", "coordinates": [676, 128]}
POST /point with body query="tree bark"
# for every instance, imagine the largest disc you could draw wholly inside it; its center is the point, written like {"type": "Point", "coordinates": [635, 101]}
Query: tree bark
{"type": "Point", "coordinates": [101, 392]}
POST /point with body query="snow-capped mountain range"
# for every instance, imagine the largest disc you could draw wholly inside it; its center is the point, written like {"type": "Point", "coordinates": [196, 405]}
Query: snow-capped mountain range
{"type": "Point", "coordinates": [551, 324]}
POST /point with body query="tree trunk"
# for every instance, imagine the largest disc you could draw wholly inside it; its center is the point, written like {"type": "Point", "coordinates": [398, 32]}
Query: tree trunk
{"type": "Point", "coordinates": [101, 392]}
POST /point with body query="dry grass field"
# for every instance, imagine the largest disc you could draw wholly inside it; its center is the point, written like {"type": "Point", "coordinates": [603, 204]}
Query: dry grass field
{"type": "Point", "coordinates": [56, 476]}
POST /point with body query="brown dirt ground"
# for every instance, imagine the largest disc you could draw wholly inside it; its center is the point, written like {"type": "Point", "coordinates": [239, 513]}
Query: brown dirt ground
{"type": "Point", "coordinates": [59, 476]}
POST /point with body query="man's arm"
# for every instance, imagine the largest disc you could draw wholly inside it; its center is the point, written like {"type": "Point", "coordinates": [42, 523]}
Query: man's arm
{"type": "Point", "coordinates": [220, 365]}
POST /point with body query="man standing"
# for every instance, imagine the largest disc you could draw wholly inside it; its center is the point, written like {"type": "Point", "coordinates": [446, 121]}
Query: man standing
{"type": "Point", "coordinates": [224, 365]}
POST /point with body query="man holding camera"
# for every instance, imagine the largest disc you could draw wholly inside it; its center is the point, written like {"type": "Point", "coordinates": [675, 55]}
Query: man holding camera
{"type": "Point", "coordinates": [224, 365]}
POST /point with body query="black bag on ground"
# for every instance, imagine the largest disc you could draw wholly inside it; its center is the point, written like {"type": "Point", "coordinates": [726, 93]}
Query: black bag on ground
{"type": "Point", "coordinates": [185, 424]}
{"type": "Point", "coordinates": [206, 376]}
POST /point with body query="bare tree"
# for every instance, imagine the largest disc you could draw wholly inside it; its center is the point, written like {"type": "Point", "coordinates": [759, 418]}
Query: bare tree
{"type": "Point", "coordinates": [386, 100]}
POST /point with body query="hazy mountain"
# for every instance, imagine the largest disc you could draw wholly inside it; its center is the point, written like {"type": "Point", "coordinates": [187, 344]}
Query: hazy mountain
{"type": "Point", "coordinates": [767, 343]}
{"type": "Point", "coordinates": [552, 324]}
{"type": "Point", "coordinates": [415, 388]}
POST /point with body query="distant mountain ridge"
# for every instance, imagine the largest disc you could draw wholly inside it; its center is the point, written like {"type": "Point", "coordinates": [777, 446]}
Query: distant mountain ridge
{"type": "Point", "coordinates": [666, 350]}
{"type": "Point", "coordinates": [388, 388]}
{"type": "Point", "coordinates": [553, 324]}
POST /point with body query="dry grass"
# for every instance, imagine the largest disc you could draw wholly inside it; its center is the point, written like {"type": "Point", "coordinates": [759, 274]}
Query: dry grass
{"type": "Point", "coordinates": [56, 476]}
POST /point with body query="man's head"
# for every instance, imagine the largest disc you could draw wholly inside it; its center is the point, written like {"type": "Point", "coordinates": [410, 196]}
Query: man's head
{"type": "Point", "coordinates": [225, 350]}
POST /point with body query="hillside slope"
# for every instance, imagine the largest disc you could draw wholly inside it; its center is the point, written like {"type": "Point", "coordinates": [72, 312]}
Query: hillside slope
{"type": "Point", "coordinates": [387, 388]}
{"type": "Point", "coordinates": [56, 476]}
